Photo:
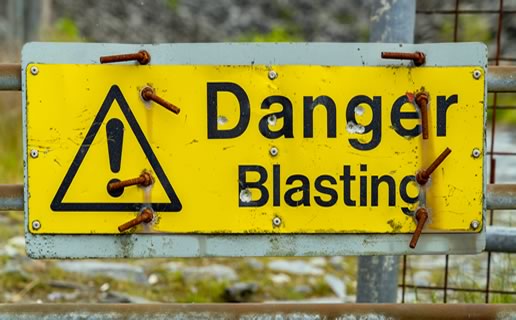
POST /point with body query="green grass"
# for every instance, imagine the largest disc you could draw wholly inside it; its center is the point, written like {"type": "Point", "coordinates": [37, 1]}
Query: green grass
{"type": "Point", "coordinates": [503, 116]}
{"type": "Point", "coordinates": [11, 163]}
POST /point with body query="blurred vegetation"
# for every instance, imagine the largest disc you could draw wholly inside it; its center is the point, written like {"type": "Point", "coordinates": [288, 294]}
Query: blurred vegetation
{"type": "Point", "coordinates": [505, 116]}
{"type": "Point", "coordinates": [63, 30]}
{"type": "Point", "coordinates": [11, 164]}
{"type": "Point", "coordinates": [173, 4]}
{"type": "Point", "coordinates": [172, 286]}
{"type": "Point", "coordinates": [472, 28]}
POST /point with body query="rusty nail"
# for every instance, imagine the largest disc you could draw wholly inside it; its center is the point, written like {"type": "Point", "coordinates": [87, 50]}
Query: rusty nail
{"type": "Point", "coordinates": [145, 216]}
{"type": "Point", "coordinates": [422, 103]}
{"type": "Point", "coordinates": [144, 180]}
{"type": "Point", "coordinates": [148, 94]}
{"type": "Point", "coordinates": [142, 56]}
{"type": "Point", "coordinates": [423, 175]}
{"type": "Point", "coordinates": [418, 57]}
{"type": "Point", "coordinates": [421, 217]}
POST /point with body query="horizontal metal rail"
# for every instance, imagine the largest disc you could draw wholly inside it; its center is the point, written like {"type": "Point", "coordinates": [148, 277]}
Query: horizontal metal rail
{"type": "Point", "coordinates": [499, 78]}
{"type": "Point", "coordinates": [501, 239]}
{"type": "Point", "coordinates": [258, 311]}
{"type": "Point", "coordinates": [11, 197]}
{"type": "Point", "coordinates": [10, 76]}
{"type": "Point", "coordinates": [499, 197]}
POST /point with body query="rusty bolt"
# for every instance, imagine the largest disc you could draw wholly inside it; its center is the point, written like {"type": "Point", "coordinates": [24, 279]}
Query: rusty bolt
{"type": "Point", "coordinates": [145, 216]}
{"type": "Point", "coordinates": [418, 57]}
{"type": "Point", "coordinates": [144, 180]}
{"type": "Point", "coordinates": [423, 175]}
{"type": "Point", "coordinates": [421, 217]}
{"type": "Point", "coordinates": [149, 95]}
{"type": "Point", "coordinates": [422, 103]}
{"type": "Point", "coordinates": [142, 56]}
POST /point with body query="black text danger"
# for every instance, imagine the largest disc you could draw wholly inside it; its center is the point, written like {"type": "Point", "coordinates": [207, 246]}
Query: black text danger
{"type": "Point", "coordinates": [309, 103]}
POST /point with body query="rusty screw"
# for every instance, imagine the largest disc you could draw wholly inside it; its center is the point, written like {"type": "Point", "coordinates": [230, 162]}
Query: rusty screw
{"type": "Point", "coordinates": [422, 103]}
{"type": "Point", "coordinates": [142, 56]}
{"type": "Point", "coordinates": [423, 175]}
{"type": "Point", "coordinates": [418, 57]}
{"type": "Point", "coordinates": [145, 216]}
{"type": "Point", "coordinates": [144, 180]}
{"type": "Point", "coordinates": [149, 95]}
{"type": "Point", "coordinates": [421, 217]}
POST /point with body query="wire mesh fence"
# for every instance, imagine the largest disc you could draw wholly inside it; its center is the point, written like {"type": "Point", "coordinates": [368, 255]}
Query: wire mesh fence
{"type": "Point", "coordinates": [488, 277]}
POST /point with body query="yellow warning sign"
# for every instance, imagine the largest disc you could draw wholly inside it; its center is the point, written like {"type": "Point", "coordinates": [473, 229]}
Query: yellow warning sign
{"type": "Point", "coordinates": [311, 150]}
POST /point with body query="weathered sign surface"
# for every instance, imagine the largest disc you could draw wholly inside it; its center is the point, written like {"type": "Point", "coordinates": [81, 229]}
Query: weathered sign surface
{"type": "Point", "coordinates": [257, 148]}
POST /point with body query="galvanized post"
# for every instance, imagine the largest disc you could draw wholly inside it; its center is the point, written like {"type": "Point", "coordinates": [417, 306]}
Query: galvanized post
{"type": "Point", "coordinates": [390, 21]}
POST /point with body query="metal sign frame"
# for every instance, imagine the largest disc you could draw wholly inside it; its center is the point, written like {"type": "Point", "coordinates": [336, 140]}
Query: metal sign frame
{"type": "Point", "coordinates": [197, 245]}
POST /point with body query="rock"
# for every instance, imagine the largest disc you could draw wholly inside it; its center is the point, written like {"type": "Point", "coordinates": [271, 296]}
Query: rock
{"type": "Point", "coordinates": [59, 284]}
{"type": "Point", "coordinates": [118, 271]}
{"type": "Point", "coordinates": [280, 278]}
{"type": "Point", "coordinates": [193, 21]}
{"type": "Point", "coordinates": [18, 241]}
{"type": "Point", "coordinates": [9, 251]}
{"type": "Point", "coordinates": [118, 297]}
{"type": "Point", "coordinates": [240, 292]}
{"type": "Point", "coordinates": [332, 300]}
{"type": "Point", "coordinates": [14, 268]}
{"type": "Point", "coordinates": [337, 286]}
{"type": "Point", "coordinates": [303, 289]}
{"type": "Point", "coordinates": [318, 262]}
{"type": "Point", "coordinates": [298, 267]}
{"type": "Point", "coordinates": [15, 247]}
{"type": "Point", "coordinates": [255, 264]}
{"type": "Point", "coordinates": [337, 262]}
{"type": "Point", "coordinates": [153, 279]}
{"type": "Point", "coordinates": [173, 266]}
{"type": "Point", "coordinates": [105, 287]}
{"type": "Point", "coordinates": [61, 296]}
{"type": "Point", "coordinates": [215, 271]}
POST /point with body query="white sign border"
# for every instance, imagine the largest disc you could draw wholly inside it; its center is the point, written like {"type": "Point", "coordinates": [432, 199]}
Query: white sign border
{"type": "Point", "coordinates": [185, 245]}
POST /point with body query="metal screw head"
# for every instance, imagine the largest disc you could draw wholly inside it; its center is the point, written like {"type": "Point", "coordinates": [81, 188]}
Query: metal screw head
{"type": "Point", "coordinates": [273, 151]}
{"type": "Point", "coordinates": [475, 224]}
{"type": "Point", "coordinates": [272, 74]}
{"type": "Point", "coordinates": [475, 153]}
{"type": "Point", "coordinates": [36, 224]}
{"type": "Point", "coordinates": [276, 221]}
{"type": "Point", "coordinates": [477, 74]}
{"type": "Point", "coordinates": [34, 153]}
{"type": "Point", "coordinates": [245, 196]}
{"type": "Point", "coordinates": [34, 70]}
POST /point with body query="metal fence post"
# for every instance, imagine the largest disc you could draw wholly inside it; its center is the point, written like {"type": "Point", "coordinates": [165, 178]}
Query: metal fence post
{"type": "Point", "coordinates": [390, 21]}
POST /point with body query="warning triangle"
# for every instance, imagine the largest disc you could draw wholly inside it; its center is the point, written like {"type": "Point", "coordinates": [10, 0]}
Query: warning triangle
{"type": "Point", "coordinates": [57, 204]}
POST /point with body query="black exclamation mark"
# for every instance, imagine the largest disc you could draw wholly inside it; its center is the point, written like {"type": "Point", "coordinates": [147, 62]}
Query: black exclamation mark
{"type": "Point", "coordinates": [115, 139]}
